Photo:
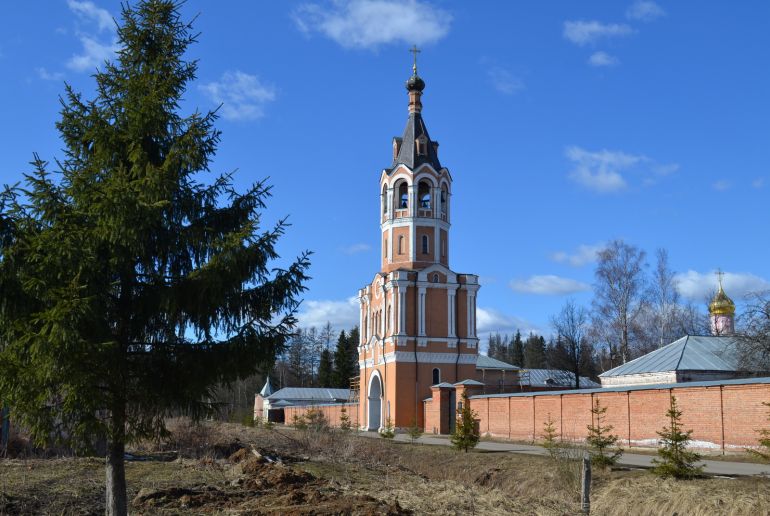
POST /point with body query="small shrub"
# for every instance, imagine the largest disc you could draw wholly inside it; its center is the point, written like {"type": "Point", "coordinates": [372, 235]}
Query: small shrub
{"type": "Point", "coordinates": [600, 441]}
{"type": "Point", "coordinates": [675, 460]}
{"type": "Point", "coordinates": [345, 424]}
{"type": "Point", "coordinates": [465, 435]}
{"type": "Point", "coordinates": [550, 437]}
{"type": "Point", "coordinates": [764, 440]}
{"type": "Point", "coordinates": [316, 420]}
{"type": "Point", "coordinates": [258, 422]}
{"type": "Point", "coordinates": [566, 457]}
{"type": "Point", "coordinates": [414, 430]}
{"type": "Point", "coordinates": [388, 431]}
{"type": "Point", "coordinates": [248, 420]}
{"type": "Point", "coordinates": [299, 422]}
{"type": "Point", "coordinates": [268, 425]}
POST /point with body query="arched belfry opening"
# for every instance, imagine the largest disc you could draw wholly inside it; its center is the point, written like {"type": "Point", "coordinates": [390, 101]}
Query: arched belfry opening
{"type": "Point", "coordinates": [423, 193]}
{"type": "Point", "coordinates": [374, 421]}
{"type": "Point", "coordinates": [403, 195]}
{"type": "Point", "coordinates": [384, 199]}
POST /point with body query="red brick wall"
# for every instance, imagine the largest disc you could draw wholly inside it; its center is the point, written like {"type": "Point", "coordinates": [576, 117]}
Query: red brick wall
{"type": "Point", "coordinates": [720, 416]}
{"type": "Point", "coordinates": [332, 413]}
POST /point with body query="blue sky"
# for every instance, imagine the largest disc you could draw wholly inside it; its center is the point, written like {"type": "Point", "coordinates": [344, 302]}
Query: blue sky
{"type": "Point", "coordinates": [564, 125]}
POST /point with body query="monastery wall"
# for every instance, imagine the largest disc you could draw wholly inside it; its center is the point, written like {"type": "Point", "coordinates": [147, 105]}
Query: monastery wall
{"type": "Point", "coordinates": [332, 411]}
{"type": "Point", "coordinates": [722, 415]}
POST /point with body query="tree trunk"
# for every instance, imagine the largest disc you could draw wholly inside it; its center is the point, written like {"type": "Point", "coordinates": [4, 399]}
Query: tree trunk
{"type": "Point", "coordinates": [116, 480]}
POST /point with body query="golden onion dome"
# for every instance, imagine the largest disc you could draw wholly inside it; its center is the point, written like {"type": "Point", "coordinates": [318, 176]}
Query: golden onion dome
{"type": "Point", "coordinates": [721, 304]}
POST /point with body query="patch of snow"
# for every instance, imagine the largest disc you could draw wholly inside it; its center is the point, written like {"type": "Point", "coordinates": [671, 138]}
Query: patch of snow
{"type": "Point", "coordinates": [654, 443]}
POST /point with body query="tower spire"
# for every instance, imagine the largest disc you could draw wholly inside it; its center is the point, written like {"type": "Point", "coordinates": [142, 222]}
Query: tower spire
{"type": "Point", "coordinates": [414, 50]}
{"type": "Point", "coordinates": [415, 85]}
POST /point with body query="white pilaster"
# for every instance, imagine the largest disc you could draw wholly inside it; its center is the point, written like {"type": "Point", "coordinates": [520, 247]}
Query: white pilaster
{"type": "Point", "coordinates": [421, 320]}
{"type": "Point", "coordinates": [451, 311]}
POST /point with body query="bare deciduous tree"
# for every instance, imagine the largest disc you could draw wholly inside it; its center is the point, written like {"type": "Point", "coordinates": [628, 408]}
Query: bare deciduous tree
{"type": "Point", "coordinates": [664, 299]}
{"type": "Point", "coordinates": [618, 294]}
{"type": "Point", "coordinates": [571, 324]}
{"type": "Point", "coordinates": [754, 351]}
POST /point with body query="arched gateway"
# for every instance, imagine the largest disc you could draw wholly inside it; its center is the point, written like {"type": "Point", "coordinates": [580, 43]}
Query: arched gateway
{"type": "Point", "coordinates": [375, 403]}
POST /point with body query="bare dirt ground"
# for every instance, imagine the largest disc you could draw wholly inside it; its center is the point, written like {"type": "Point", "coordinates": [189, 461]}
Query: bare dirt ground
{"type": "Point", "coordinates": [231, 469]}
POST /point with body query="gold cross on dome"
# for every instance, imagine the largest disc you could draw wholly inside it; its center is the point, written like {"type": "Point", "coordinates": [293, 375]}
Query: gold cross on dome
{"type": "Point", "coordinates": [720, 275]}
{"type": "Point", "coordinates": [414, 50]}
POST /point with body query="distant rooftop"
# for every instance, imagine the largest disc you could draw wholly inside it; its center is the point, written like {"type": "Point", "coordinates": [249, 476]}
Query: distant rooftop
{"type": "Point", "coordinates": [485, 362]}
{"type": "Point", "coordinates": [309, 394]}
{"type": "Point", "coordinates": [690, 353]}
{"type": "Point", "coordinates": [554, 378]}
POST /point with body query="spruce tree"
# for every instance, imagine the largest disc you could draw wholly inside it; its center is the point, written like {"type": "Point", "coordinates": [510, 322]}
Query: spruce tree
{"type": "Point", "coordinates": [764, 441]}
{"type": "Point", "coordinates": [345, 359]}
{"type": "Point", "coordinates": [517, 350]}
{"type": "Point", "coordinates": [600, 440]}
{"type": "Point", "coordinates": [466, 435]}
{"type": "Point", "coordinates": [534, 352]}
{"type": "Point", "coordinates": [675, 460]}
{"type": "Point", "coordinates": [129, 288]}
{"type": "Point", "coordinates": [325, 370]}
{"type": "Point", "coordinates": [551, 437]}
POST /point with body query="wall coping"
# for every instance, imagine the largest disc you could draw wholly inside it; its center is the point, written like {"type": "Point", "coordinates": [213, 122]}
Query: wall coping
{"type": "Point", "coordinates": [628, 388]}
{"type": "Point", "coordinates": [313, 405]}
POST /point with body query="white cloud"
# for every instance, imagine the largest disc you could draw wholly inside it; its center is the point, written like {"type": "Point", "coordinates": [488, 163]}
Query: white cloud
{"type": "Point", "coordinates": [584, 32]}
{"type": "Point", "coordinates": [504, 81]}
{"type": "Point", "coordinates": [721, 185]}
{"type": "Point", "coordinates": [357, 248]}
{"type": "Point", "coordinates": [340, 314]}
{"type": "Point", "coordinates": [49, 76]}
{"type": "Point", "coordinates": [600, 171]}
{"type": "Point", "coordinates": [95, 50]}
{"type": "Point", "coordinates": [583, 255]}
{"type": "Point", "coordinates": [489, 320]}
{"type": "Point", "coordinates": [644, 10]}
{"type": "Point", "coordinates": [243, 96]}
{"type": "Point", "coordinates": [549, 285]}
{"type": "Point", "coordinates": [758, 182]}
{"type": "Point", "coordinates": [94, 54]}
{"type": "Point", "coordinates": [603, 171]}
{"type": "Point", "coordinates": [602, 59]}
{"type": "Point", "coordinates": [371, 23]}
{"type": "Point", "coordinates": [90, 12]}
{"type": "Point", "coordinates": [697, 286]}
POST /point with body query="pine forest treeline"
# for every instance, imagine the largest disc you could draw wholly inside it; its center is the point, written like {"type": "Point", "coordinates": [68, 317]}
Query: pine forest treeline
{"type": "Point", "coordinates": [318, 358]}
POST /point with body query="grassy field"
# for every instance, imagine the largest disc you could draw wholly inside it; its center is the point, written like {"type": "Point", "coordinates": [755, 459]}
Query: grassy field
{"type": "Point", "coordinates": [212, 469]}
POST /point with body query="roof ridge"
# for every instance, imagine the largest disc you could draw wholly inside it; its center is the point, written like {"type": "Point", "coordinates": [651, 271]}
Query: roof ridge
{"type": "Point", "coordinates": [684, 348]}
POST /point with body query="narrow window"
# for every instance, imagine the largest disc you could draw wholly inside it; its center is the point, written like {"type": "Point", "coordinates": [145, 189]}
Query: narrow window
{"type": "Point", "coordinates": [400, 245]}
{"type": "Point", "coordinates": [435, 278]}
{"type": "Point", "coordinates": [436, 376]}
{"type": "Point", "coordinates": [385, 249]}
{"type": "Point", "coordinates": [425, 244]}
{"type": "Point", "coordinates": [443, 247]}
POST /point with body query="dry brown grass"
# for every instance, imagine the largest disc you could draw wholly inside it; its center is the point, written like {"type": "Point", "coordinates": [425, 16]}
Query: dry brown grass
{"type": "Point", "coordinates": [647, 495]}
{"type": "Point", "coordinates": [424, 479]}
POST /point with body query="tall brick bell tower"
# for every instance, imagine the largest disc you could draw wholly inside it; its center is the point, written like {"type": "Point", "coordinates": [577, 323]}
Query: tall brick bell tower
{"type": "Point", "coordinates": [417, 316]}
